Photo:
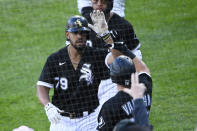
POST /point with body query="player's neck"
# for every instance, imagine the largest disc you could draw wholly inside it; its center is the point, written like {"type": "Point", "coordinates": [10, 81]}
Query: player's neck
{"type": "Point", "coordinates": [75, 57]}
{"type": "Point", "coordinates": [120, 87]}
{"type": "Point", "coordinates": [73, 53]}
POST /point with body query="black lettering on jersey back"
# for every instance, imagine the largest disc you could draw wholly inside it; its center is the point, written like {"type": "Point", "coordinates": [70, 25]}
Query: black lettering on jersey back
{"type": "Point", "coordinates": [128, 108]}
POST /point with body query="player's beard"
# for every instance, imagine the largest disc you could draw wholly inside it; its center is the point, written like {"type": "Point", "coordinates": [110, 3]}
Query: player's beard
{"type": "Point", "coordinates": [80, 49]}
{"type": "Point", "coordinates": [108, 9]}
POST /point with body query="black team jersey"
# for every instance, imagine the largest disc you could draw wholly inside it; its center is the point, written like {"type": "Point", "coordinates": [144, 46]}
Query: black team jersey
{"type": "Point", "coordinates": [75, 90]}
{"type": "Point", "coordinates": [121, 106]}
{"type": "Point", "coordinates": [120, 29]}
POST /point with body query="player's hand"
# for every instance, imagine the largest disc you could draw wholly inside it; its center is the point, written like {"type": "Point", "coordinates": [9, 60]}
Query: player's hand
{"type": "Point", "coordinates": [53, 113]}
{"type": "Point", "coordinates": [137, 89]}
{"type": "Point", "coordinates": [99, 23]}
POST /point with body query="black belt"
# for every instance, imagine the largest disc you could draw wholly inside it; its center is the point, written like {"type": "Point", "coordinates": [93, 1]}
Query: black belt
{"type": "Point", "coordinates": [74, 115]}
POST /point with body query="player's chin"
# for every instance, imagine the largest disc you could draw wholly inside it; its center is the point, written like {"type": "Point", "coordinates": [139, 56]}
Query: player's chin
{"type": "Point", "coordinates": [81, 48]}
{"type": "Point", "coordinates": [81, 44]}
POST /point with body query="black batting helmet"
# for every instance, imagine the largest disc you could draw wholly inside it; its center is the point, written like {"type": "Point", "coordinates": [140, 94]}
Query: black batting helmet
{"type": "Point", "coordinates": [121, 69]}
{"type": "Point", "coordinates": [77, 23]}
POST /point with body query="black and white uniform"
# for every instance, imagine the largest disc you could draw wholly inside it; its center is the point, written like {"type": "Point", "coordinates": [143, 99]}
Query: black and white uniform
{"type": "Point", "coordinates": [121, 31]}
{"type": "Point", "coordinates": [121, 106]}
{"type": "Point", "coordinates": [75, 91]}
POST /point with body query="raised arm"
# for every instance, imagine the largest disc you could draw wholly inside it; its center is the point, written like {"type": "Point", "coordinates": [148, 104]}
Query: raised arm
{"type": "Point", "coordinates": [101, 28]}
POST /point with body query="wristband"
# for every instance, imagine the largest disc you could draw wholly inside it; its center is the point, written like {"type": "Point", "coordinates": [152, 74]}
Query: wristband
{"type": "Point", "coordinates": [124, 50]}
{"type": "Point", "coordinates": [131, 55]}
{"type": "Point", "coordinates": [106, 36]}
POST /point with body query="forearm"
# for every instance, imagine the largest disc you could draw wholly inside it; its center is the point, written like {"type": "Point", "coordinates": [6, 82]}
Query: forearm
{"type": "Point", "coordinates": [114, 53]}
{"type": "Point", "coordinates": [140, 113]}
{"type": "Point", "coordinates": [43, 94]}
{"type": "Point", "coordinates": [140, 66]}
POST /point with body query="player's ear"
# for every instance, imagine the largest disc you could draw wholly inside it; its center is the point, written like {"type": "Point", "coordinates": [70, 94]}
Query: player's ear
{"type": "Point", "coordinates": [67, 34]}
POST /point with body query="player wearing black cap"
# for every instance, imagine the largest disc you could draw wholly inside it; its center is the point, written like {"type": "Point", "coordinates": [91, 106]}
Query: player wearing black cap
{"type": "Point", "coordinates": [74, 72]}
{"type": "Point", "coordinates": [121, 106]}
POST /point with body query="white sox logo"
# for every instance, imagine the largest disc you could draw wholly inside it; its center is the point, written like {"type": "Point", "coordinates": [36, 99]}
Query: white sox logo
{"type": "Point", "coordinates": [101, 122]}
{"type": "Point", "coordinates": [86, 73]}
{"type": "Point", "coordinates": [78, 23]}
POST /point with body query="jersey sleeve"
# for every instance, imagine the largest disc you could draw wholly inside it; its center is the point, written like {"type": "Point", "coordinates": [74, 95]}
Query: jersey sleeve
{"type": "Point", "coordinates": [147, 81]}
{"type": "Point", "coordinates": [46, 76]}
{"type": "Point", "coordinates": [124, 33]}
{"type": "Point", "coordinates": [104, 119]}
{"type": "Point", "coordinates": [130, 37]}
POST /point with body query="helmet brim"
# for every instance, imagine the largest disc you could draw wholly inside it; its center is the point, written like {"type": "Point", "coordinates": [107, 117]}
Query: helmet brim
{"type": "Point", "coordinates": [78, 29]}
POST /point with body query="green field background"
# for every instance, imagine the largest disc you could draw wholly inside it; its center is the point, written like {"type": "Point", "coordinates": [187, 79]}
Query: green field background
{"type": "Point", "coordinates": [32, 29]}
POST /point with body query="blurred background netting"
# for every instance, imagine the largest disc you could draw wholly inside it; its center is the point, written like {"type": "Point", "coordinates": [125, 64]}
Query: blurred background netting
{"type": "Point", "coordinates": [31, 30]}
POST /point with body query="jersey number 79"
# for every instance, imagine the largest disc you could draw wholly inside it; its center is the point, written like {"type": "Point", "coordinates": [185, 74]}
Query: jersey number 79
{"type": "Point", "coordinates": [62, 82]}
